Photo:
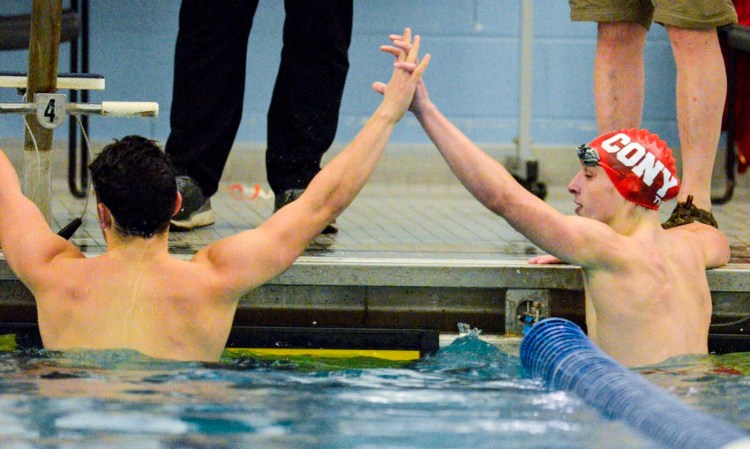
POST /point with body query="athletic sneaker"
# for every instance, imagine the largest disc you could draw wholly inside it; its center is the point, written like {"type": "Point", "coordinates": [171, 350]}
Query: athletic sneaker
{"type": "Point", "coordinates": [196, 208]}
{"type": "Point", "coordinates": [289, 195]}
{"type": "Point", "coordinates": [686, 212]}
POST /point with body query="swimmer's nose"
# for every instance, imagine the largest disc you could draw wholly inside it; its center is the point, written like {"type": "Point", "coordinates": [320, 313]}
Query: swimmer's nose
{"type": "Point", "coordinates": [573, 185]}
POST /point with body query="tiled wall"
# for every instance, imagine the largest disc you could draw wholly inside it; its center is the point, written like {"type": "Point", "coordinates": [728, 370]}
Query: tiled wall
{"type": "Point", "coordinates": [473, 76]}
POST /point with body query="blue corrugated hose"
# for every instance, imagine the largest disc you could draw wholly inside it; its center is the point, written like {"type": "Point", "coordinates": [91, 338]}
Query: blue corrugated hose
{"type": "Point", "coordinates": [557, 351]}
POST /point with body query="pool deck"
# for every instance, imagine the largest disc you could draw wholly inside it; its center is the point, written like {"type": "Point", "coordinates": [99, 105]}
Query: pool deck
{"type": "Point", "coordinates": [408, 255]}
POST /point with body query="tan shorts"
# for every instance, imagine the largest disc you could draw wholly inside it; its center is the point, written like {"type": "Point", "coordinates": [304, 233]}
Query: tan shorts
{"type": "Point", "coordinates": [690, 14]}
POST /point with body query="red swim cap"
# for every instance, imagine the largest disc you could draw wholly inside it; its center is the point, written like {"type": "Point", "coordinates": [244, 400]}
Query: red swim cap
{"type": "Point", "coordinates": [639, 164]}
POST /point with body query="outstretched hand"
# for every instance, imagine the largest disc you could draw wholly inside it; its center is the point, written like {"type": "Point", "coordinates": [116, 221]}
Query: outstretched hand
{"type": "Point", "coordinates": [407, 61]}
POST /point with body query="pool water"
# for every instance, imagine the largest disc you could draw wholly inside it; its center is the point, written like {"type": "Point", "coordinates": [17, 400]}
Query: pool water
{"type": "Point", "coordinates": [469, 394]}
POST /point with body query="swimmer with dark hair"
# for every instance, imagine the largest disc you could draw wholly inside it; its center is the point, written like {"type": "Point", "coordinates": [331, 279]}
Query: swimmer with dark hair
{"type": "Point", "coordinates": [647, 296]}
{"type": "Point", "coordinates": [136, 295]}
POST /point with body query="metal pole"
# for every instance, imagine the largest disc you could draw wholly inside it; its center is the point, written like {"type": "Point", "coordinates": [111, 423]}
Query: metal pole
{"type": "Point", "coordinates": [44, 45]}
{"type": "Point", "coordinates": [72, 125]}
{"type": "Point", "coordinates": [524, 91]}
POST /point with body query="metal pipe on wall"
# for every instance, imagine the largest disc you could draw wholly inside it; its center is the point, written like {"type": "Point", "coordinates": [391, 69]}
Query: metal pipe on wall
{"type": "Point", "coordinates": [525, 85]}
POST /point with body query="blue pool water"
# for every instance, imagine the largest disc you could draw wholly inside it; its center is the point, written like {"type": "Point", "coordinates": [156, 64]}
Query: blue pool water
{"type": "Point", "coordinates": [469, 394]}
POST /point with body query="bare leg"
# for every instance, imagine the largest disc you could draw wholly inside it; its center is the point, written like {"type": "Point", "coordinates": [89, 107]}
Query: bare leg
{"type": "Point", "coordinates": [619, 76]}
{"type": "Point", "coordinates": [701, 92]}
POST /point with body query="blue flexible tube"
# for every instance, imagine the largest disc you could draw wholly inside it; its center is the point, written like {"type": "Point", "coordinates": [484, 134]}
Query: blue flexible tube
{"type": "Point", "coordinates": [557, 351]}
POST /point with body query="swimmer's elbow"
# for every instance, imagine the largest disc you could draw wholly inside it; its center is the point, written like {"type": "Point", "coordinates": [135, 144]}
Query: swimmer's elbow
{"type": "Point", "coordinates": [328, 210]}
{"type": "Point", "coordinates": [328, 204]}
{"type": "Point", "coordinates": [498, 201]}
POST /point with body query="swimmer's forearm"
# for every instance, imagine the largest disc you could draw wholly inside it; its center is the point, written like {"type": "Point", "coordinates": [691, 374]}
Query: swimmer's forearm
{"type": "Point", "coordinates": [483, 176]}
{"type": "Point", "coordinates": [345, 175]}
{"type": "Point", "coordinates": [498, 191]}
{"type": "Point", "coordinates": [247, 262]}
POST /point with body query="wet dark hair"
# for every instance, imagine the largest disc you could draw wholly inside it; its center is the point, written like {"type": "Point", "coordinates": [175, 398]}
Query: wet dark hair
{"type": "Point", "coordinates": [135, 179]}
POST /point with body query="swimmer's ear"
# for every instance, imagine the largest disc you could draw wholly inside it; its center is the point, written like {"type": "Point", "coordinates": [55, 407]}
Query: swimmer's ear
{"type": "Point", "coordinates": [178, 204]}
{"type": "Point", "coordinates": [104, 215]}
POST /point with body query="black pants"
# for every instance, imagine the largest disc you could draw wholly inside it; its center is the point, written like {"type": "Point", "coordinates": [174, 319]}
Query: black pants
{"type": "Point", "coordinates": [209, 85]}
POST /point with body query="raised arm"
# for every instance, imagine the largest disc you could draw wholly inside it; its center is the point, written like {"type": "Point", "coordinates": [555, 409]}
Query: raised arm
{"type": "Point", "coordinates": [251, 258]}
{"type": "Point", "coordinates": [567, 237]}
{"type": "Point", "coordinates": [573, 239]}
{"type": "Point", "coordinates": [27, 242]}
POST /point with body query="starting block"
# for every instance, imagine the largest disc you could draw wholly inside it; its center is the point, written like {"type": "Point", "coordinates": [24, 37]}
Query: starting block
{"type": "Point", "coordinates": [47, 25]}
{"type": "Point", "coordinates": [52, 108]}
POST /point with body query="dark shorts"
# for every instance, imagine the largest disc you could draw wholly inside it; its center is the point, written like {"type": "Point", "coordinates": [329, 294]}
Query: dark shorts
{"type": "Point", "coordinates": [689, 14]}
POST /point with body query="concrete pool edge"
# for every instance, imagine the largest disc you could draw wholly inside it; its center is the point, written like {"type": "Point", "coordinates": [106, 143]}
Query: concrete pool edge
{"type": "Point", "coordinates": [420, 291]}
